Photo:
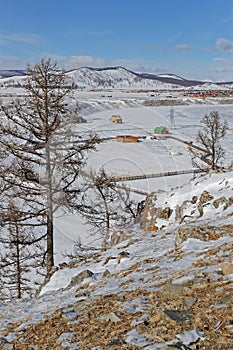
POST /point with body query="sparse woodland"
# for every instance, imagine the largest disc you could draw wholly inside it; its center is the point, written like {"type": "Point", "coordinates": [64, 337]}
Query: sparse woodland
{"type": "Point", "coordinates": [40, 162]}
{"type": "Point", "coordinates": [105, 205]}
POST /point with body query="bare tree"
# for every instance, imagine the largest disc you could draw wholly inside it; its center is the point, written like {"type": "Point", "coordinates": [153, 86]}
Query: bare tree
{"type": "Point", "coordinates": [82, 252]}
{"type": "Point", "coordinates": [105, 205]}
{"type": "Point", "coordinates": [209, 152]}
{"type": "Point", "coordinates": [21, 258]}
{"type": "Point", "coordinates": [42, 153]}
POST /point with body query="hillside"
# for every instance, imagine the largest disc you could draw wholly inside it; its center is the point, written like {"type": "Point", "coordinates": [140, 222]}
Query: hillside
{"type": "Point", "coordinates": [11, 73]}
{"type": "Point", "coordinates": [116, 78]}
{"type": "Point", "coordinates": [163, 286]}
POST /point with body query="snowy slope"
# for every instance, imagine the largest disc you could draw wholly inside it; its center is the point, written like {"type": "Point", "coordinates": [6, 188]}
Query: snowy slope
{"type": "Point", "coordinates": [111, 78]}
{"type": "Point", "coordinates": [101, 300]}
{"type": "Point", "coordinates": [117, 78]}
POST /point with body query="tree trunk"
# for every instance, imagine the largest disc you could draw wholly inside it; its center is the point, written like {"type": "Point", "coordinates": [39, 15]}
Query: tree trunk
{"type": "Point", "coordinates": [18, 268]}
{"type": "Point", "coordinates": [107, 221]}
{"type": "Point", "coordinates": [50, 243]}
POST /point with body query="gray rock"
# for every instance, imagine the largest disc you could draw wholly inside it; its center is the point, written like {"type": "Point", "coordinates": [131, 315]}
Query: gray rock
{"type": "Point", "coordinates": [80, 278]}
{"type": "Point", "coordinates": [225, 299]}
{"type": "Point", "coordinates": [173, 291]}
{"type": "Point", "coordinates": [227, 269]}
{"type": "Point", "coordinates": [113, 317]}
{"type": "Point", "coordinates": [202, 232]}
{"type": "Point", "coordinates": [219, 201]}
{"type": "Point", "coordinates": [203, 200]}
{"type": "Point", "coordinates": [190, 301]}
{"type": "Point", "coordinates": [179, 316]}
{"type": "Point", "coordinates": [4, 344]}
{"type": "Point", "coordinates": [176, 346]}
{"type": "Point", "coordinates": [106, 273]}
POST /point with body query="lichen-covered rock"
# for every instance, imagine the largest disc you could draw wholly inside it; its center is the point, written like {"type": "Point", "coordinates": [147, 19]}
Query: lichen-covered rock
{"type": "Point", "coordinates": [173, 291]}
{"type": "Point", "coordinates": [227, 269]}
{"type": "Point", "coordinates": [195, 208]}
{"type": "Point", "coordinates": [220, 201]}
{"type": "Point", "coordinates": [116, 237]}
{"type": "Point", "coordinates": [205, 197]}
{"type": "Point", "coordinates": [148, 213]}
{"type": "Point", "coordinates": [76, 280]}
{"type": "Point", "coordinates": [202, 232]}
{"type": "Point", "coordinates": [203, 200]}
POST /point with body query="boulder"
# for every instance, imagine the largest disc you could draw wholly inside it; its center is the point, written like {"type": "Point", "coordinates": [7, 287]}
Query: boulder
{"type": "Point", "coordinates": [148, 213]}
{"type": "Point", "coordinates": [173, 291]}
{"type": "Point", "coordinates": [220, 201]}
{"type": "Point", "coordinates": [116, 237]}
{"type": "Point", "coordinates": [227, 269]}
{"type": "Point", "coordinates": [76, 280]}
{"type": "Point", "coordinates": [202, 232]}
{"type": "Point", "coordinates": [203, 200]}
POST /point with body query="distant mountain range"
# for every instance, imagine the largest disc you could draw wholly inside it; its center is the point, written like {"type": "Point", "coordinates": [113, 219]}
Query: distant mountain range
{"type": "Point", "coordinates": [11, 73]}
{"type": "Point", "coordinates": [112, 77]}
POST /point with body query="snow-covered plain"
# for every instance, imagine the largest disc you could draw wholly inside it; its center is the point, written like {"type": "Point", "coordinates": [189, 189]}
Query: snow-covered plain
{"type": "Point", "coordinates": [142, 158]}
{"type": "Point", "coordinates": [151, 156]}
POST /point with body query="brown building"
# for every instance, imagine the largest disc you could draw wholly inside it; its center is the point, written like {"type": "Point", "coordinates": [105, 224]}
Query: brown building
{"type": "Point", "coordinates": [115, 119]}
{"type": "Point", "coordinates": [126, 138]}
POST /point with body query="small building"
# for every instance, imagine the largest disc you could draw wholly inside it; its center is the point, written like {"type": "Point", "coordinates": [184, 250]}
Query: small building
{"type": "Point", "coordinates": [160, 130]}
{"type": "Point", "coordinates": [115, 119]}
{"type": "Point", "coordinates": [126, 138]}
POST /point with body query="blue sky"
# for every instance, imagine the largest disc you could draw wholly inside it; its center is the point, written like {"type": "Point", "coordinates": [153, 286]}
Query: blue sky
{"type": "Point", "coordinates": [193, 39]}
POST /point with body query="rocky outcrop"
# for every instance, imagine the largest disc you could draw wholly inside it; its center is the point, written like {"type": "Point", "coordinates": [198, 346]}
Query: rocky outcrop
{"type": "Point", "coordinates": [149, 213]}
{"type": "Point", "coordinates": [190, 209]}
{"type": "Point", "coordinates": [116, 237]}
{"type": "Point", "coordinates": [76, 280]}
{"type": "Point", "coordinates": [202, 232]}
{"type": "Point", "coordinates": [221, 201]}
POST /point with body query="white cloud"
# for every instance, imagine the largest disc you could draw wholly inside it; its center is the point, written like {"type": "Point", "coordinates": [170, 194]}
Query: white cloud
{"type": "Point", "coordinates": [72, 62]}
{"type": "Point", "coordinates": [182, 47]}
{"type": "Point", "coordinates": [228, 69]}
{"type": "Point", "coordinates": [12, 63]}
{"type": "Point", "coordinates": [138, 66]}
{"type": "Point", "coordinates": [218, 59]}
{"type": "Point", "coordinates": [157, 47]}
{"type": "Point", "coordinates": [224, 45]}
{"type": "Point", "coordinates": [26, 38]}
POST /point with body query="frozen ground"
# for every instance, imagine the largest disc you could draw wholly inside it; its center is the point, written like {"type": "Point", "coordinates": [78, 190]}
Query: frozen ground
{"type": "Point", "coordinates": [145, 157]}
{"type": "Point", "coordinates": [153, 261]}
{"type": "Point", "coordinates": [151, 156]}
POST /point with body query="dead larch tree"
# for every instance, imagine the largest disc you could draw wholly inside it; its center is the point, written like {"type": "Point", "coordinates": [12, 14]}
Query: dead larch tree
{"type": "Point", "coordinates": [42, 151]}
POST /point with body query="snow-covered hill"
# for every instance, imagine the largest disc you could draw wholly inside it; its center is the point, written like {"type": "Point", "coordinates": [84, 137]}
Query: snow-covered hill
{"type": "Point", "coordinates": [114, 78]}
{"type": "Point", "coordinates": [151, 290]}
{"type": "Point", "coordinates": [11, 73]}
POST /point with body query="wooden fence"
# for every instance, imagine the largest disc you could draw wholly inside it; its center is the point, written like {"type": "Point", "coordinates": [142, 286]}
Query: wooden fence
{"type": "Point", "coordinates": [150, 176]}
